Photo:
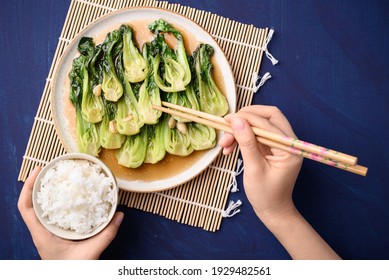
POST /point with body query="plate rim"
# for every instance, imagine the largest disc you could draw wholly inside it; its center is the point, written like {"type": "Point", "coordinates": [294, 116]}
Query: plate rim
{"type": "Point", "coordinates": [70, 47]}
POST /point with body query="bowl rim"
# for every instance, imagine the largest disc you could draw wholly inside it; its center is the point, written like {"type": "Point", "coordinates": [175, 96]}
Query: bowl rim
{"type": "Point", "coordinates": [67, 233]}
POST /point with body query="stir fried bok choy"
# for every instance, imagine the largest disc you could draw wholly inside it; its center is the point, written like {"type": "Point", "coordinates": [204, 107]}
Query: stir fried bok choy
{"type": "Point", "coordinates": [112, 87]}
{"type": "Point", "coordinates": [176, 142]}
{"type": "Point", "coordinates": [201, 136]}
{"type": "Point", "coordinates": [149, 92]}
{"type": "Point", "coordinates": [92, 107]}
{"type": "Point", "coordinates": [129, 119]}
{"type": "Point", "coordinates": [211, 99]}
{"type": "Point", "coordinates": [87, 132]}
{"type": "Point", "coordinates": [110, 138]}
{"type": "Point", "coordinates": [155, 143]}
{"type": "Point", "coordinates": [135, 65]}
{"type": "Point", "coordinates": [133, 151]}
{"type": "Point", "coordinates": [171, 69]}
{"type": "Point", "coordinates": [187, 98]}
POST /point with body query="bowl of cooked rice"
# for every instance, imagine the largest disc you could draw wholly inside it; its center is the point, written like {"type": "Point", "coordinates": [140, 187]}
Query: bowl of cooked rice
{"type": "Point", "coordinates": [75, 196]}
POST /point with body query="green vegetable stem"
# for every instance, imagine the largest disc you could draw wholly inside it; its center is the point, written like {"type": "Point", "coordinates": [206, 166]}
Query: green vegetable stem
{"type": "Point", "coordinates": [176, 142]}
{"type": "Point", "coordinates": [91, 105]}
{"type": "Point", "coordinates": [202, 137]}
{"type": "Point", "coordinates": [155, 143]}
{"type": "Point", "coordinates": [111, 86]}
{"type": "Point", "coordinates": [128, 118]}
{"type": "Point", "coordinates": [133, 152]}
{"type": "Point", "coordinates": [135, 66]}
{"type": "Point", "coordinates": [110, 138]}
{"type": "Point", "coordinates": [149, 93]}
{"type": "Point", "coordinates": [211, 99]}
{"type": "Point", "coordinates": [87, 132]}
{"type": "Point", "coordinates": [175, 67]}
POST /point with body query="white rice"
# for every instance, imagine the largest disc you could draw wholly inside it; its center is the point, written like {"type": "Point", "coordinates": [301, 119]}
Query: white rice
{"type": "Point", "coordinates": [76, 195]}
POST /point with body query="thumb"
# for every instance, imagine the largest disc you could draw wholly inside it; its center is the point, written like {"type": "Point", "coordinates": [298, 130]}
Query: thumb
{"type": "Point", "coordinates": [100, 242]}
{"type": "Point", "coordinates": [248, 143]}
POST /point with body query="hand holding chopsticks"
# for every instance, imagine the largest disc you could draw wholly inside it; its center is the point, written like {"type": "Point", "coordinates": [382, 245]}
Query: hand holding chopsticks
{"type": "Point", "coordinates": [274, 140]}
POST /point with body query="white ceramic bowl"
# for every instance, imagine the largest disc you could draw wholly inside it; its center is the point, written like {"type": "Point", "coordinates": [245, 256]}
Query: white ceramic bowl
{"type": "Point", "coordinates": [68, 233]}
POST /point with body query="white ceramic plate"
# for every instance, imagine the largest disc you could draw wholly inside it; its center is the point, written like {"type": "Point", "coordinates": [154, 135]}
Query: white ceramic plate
{"type": "Point", "coordinates": [63, 111]}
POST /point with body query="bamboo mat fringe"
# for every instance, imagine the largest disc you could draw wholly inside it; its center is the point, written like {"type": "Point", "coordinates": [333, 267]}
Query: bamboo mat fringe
{"type": "Point", "coordinates": [202, 201]}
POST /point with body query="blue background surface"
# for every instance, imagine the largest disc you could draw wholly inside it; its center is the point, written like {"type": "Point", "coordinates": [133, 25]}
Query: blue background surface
{"type": "Point", "coordinates": [331, 82]}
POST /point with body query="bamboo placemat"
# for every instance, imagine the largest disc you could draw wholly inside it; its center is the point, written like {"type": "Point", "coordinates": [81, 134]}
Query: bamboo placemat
{"type": "Point", "coordinates": [202, 201]}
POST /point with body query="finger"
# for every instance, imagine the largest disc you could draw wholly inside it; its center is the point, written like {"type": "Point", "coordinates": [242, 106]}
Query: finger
{"type": "Point", "coordinates": [227, 140]}
{"type": "Point", "coordinates": [25, 199]}
{"type": "Point", "coordinates": [256, 120]}
{"type": "Point", "coordinates": [25, 207]}
{"type": "Point", "coordinates": [263, 123]}
{"type": "Point", "coordinates": [228, 143]}
{"type": "Point", "coordinates": [274, 116]}
{"type": "Point", "coordinates": [100, 242]}
{"type": "Point", "coordinates": [228, 150]}
{"type": "Point", "coordinates": [264, 149]}
{"type": "Point", "coordinates": [248, 144]}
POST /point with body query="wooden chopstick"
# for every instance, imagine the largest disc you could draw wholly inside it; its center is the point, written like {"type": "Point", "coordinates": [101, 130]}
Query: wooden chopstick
{"type": "Point", "coordinates": [288, 141]}
{"type": "Point", "coordinates": [271, 139]}
{"type": "Point", "coordinates": [357, 169]}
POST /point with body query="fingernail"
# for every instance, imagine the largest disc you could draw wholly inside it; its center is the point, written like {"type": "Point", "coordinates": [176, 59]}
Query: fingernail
{"type": "Point", "coordinates": [238, 125]}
